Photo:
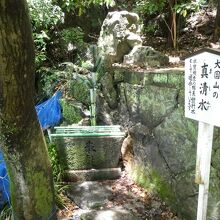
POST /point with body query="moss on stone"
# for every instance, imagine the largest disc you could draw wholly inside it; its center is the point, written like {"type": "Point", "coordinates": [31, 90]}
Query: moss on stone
{"type": "Point", "coordinates": [176, 80]}
{"type": "Point", "coordinates": [157, 102]}
{"type": "Point", "coordinates": [79, 90]}
{"type": "Point", "coordinates": [118, 76]}
{"type": "Point", "coordinates": [108, 90]}
{"type": "Point", "coordinates": [160, 79]}
{"type": "Point", "coordinates": [89, 152]}
{"type": "Point", "coordinates": [134, 78]}
{"type": "Point", "coordinates": [151, 180]}
{"type": "Point", "coordinates": [192, 127]}
{"type": "Point", "coordinates": [169, 79]}
{"type": "Point", "coordinates": [101, 158]}
{"type": "Point", "coordinates": [71, 114]}
{"type": "Point", "coordinates": [77, 157]}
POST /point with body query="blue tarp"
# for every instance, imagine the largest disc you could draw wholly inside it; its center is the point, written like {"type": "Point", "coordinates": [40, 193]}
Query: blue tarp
{"type": "Point", "coordinates": [4, 182]}
{"type": "Point", "coordinates": [49, 113]}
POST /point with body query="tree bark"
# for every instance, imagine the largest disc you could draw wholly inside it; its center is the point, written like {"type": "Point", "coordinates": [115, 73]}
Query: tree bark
{"type": "Point", "coordinates": [21, 138]}
{"type": "Point", "coordinates": [217, 24]}
{"type": "Point", "coordinates": [171, 40]}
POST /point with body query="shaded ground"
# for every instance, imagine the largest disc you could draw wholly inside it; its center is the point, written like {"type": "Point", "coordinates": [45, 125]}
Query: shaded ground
{"type": "Point", "coordinates": [125, 194]}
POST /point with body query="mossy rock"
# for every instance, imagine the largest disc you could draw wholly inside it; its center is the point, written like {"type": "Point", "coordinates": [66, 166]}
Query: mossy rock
{"type": "Point", "coordinates": [109, 90]}
{"type": "Point", "coordinates": [71, 113]}
{"type": "Point", "coordinates": [79, 90]}
{"type": "Point", "coordinates": [151, 180]}
{"type": "Point", "coordinates": [175, 137]}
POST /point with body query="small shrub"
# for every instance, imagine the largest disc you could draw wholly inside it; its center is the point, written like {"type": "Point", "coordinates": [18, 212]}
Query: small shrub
{"type": "Point", "coordinates": [48, 80]}
{"type": "Point", "coordinates": [58, 174]}
{"type": "Point", "coordinates": [6, 212]}
{"type": "Point", "coordinates": [45, 16]}
{"type": "Point", "coordinates": [79, 89]}
{"type": "Point", "coordinates": [57, 168]}
{"type": "Point", "coordinates": [71, 114]}
{"type": "Point", "coordinates": [73, 35]}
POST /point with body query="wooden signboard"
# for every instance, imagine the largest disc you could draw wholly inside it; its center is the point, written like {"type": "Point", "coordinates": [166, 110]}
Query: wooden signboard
{"type": "Point", "coordinates": [202, 103]}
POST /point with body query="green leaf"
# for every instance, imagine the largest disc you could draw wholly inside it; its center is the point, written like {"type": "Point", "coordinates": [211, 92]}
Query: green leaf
{"type": "Point", "coordinates": [184, 13]}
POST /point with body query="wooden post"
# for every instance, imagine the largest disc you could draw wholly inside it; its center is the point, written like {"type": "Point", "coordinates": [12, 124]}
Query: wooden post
{"type": "Point", "coordinates": [203, 161]}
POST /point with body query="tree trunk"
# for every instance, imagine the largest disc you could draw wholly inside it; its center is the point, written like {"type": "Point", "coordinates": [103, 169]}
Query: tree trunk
{"type": "Point", "coordinates": [172, 39]}
{"type": "Point", "coordinates": [21, 138]}
{"type": "Point", "coordinates": [217, 24]}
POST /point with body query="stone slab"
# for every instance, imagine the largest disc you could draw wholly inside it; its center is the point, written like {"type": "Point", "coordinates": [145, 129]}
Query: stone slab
{"type": "Point", "coordinates": [93, 174]}
{"type": "Point", "coordinates": [89, 194]}
{"type": "Point", "coordinates": [89, 152]}
{"type": "Point", "coordinates": [116, 213]}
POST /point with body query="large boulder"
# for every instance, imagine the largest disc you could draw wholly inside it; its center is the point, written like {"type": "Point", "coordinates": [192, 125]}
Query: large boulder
{"type": "Point", "coordinates": [145, 56]}
{"type": "Point", "coordinates": [120, 41]}
{"type": "Point", "coordinates": [119, 34]}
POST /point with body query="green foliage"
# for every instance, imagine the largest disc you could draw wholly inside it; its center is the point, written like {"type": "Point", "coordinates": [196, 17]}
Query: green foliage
{"type": "Point", "coordinates": [154, 7]}
{"type": "Point", "coordinates": [44, 15]}
{"type": "Point", "coordinates": [150, 28]}
{"type": "Point", "coordinates": [40, 40]}
{"type": "Point", "coordinates": [49, 80]}
{"type": "Point", "coordinates": [44, 18]}
{"type": "Point", "coordinates": [74, 36]}
{"type": "Point", "coordinates": [58, 170]}
{"type": "Point", "coordinates": [6, 212]}
{"type": "Point", "coordinates": [184, 8]}
{"type": "Point", "coordinates": [150, 6]}
{"type": "Point", "coordinates": [79, 88]}
{"type": "Point", "coordinates": [80, 6]}
{"type": "Point", "coordinates": [58, 174]}
{"type": "Point", "coordinates": [60, 197]}
{"type": "Point", "coordinates": [71, 114]}
{"type": "Point", "coordinates": [166, 11]}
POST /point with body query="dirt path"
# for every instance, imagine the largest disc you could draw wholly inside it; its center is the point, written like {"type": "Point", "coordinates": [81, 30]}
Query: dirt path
{"type": "Point", "coordinates": [124, 194]}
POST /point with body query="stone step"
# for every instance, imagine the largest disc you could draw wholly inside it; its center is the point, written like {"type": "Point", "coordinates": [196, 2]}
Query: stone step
{"type": "Point", "coordinates": [116, 213]}
{"type": "Point", "coordinates": [93, 174]}
{"type": "Point", "coordinates": [92, 198]}
{"type": "Point", "coordinates": [89, 195]}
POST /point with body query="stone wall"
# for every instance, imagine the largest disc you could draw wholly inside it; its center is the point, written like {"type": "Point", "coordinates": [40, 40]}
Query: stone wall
{"type": "Point", "coordinates": [150, 105]}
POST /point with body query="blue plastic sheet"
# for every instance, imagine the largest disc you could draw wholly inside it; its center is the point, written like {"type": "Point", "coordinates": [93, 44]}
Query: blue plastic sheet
{"type": "Point", "coordinates": [4, 183]}
{"type": "Point", "coordinates": [49, 112]}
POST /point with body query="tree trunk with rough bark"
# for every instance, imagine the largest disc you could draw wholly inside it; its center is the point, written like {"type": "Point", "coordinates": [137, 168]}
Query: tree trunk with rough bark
{"type": "Point", "coordinates": [21, 138]}
{"type": "Point", "coordinates": [172, 38]}
{"type": "Point", "coordinates": [217, 24]}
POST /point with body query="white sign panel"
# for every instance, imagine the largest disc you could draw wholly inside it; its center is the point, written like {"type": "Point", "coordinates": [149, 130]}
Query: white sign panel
{"type": "Point", "coordinates": [202, 88]}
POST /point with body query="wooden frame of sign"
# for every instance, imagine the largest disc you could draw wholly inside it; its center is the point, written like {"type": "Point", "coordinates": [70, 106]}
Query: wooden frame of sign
{"type": "Point", "coordinates": [202, 103]}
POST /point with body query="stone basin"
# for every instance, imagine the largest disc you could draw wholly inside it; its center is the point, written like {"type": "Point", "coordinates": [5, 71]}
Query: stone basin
{"type": "Point", "coordinates": [88, 147]}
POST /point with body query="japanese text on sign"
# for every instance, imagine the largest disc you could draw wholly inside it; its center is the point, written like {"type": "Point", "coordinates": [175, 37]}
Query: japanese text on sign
{"type": "Point", "coordinates": [202, 88]}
